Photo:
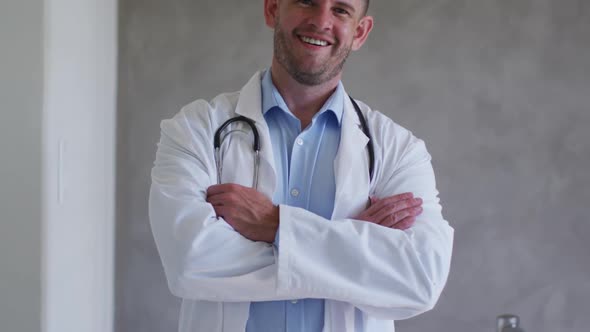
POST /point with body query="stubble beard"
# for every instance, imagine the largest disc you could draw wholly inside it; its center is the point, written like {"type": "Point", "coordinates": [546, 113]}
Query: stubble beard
{"type": "Point", "coordinates": [286, 58]}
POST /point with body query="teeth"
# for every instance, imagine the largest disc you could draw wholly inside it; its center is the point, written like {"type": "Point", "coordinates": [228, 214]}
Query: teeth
{"type": "Point", "coordinates": [314, 41]}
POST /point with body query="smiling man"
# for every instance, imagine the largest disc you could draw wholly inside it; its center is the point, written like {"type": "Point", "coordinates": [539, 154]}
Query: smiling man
{"type": "Point", "coordinates": [289, 206]}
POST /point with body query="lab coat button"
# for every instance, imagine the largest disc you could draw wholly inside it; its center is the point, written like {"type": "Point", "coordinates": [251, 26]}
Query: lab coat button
{"type": "Point", "coordinates": [294, 192]}
{"type": "Point", "coordinates": [299, 141]}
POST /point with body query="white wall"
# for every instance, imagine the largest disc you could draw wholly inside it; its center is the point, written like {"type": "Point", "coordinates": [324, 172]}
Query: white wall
{"type": "Point", "coordinates": [21, 97]}
{"type": "Point", "coordinates": [57, 131]}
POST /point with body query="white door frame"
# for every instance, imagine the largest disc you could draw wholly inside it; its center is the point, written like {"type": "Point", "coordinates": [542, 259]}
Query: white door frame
{"type": "Point", "coordinates": [79, 132]}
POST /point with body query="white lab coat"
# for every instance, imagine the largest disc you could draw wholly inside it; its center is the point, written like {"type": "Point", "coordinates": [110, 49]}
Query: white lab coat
{"type": "Point", "coordinates": [369, 275]}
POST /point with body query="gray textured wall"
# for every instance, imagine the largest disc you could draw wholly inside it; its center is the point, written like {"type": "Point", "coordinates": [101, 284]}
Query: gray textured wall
{"type": "Point", "coordinates": [21, 112]}
{"type": "Point", "coordinates": [500, 91]}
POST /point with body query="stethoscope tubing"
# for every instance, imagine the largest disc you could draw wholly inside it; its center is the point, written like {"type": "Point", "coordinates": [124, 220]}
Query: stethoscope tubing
{"type": "Point", "coordinates": [256, 146]}
{"type": "Point", "coordinates": [217, 140]}
{"type": "Point", "coordinates": [368, 134]}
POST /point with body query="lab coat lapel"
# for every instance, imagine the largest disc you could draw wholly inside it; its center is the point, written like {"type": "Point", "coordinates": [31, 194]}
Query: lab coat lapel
{"type": "Point", "coordinates": [351, 166]}
{"type": "Point", "coordinates": [250, 105]}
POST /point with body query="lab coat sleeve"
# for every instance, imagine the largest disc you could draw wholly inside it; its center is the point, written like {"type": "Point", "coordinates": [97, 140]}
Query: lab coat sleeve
{"type": "Point", "coordinates": [387, 273]}
{"type": "Point", "coordinates": [203, 257]}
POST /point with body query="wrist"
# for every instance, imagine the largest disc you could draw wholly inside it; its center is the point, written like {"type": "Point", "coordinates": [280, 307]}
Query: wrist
{"type": "Point", "coordinates": [277, 221]}
{"type": "Point", "coordinates": [276, 215]}
{"type": "Point", "coordinates": [272, 224]}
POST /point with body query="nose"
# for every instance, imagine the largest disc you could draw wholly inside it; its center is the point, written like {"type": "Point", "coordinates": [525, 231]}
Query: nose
{"type": "Point", "coordinates": [321, 17]}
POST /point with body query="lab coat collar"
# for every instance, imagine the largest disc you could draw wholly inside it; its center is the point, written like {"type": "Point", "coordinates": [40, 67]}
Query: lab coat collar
{"type": "Point", "coordinates": [271, 98]}
{"type": "Point", "coordinates": [250, 100]}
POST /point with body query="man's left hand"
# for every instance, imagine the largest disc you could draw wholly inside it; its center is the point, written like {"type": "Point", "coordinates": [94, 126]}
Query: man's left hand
{"type": "Point", "coordinates": [248, 211]}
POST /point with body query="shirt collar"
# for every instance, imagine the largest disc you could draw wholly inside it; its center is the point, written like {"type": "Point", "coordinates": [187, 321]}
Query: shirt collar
{"type": "Point", "coordinates": [271, 98]}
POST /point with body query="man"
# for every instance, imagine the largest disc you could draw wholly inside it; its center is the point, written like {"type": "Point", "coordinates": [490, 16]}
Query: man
{"type": "Point", "coordinates": [319, 242]}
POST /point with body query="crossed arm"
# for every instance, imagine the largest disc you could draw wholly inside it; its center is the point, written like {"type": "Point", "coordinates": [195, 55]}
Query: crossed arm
{"type": "Point", "coordinates": [255, 217]}
{"type": "Point", "coordinates": [391, 261]}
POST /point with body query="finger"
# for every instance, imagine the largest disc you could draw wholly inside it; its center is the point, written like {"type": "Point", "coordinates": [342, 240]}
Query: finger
{"type": "Point", "coordinates": [218, 199]}
{"type": "Point", "coordinates": [222, 188]}
{"type": "Point", "coordinates": [400, 215]}
{"type": "Point", "coordinates": [223, 212]}
{"type": "Point", "coordinates": [230, 194]}
{"type": "Point", "coordinates": [394, 208]}
{"type": "Point", "coordinates": [216, 189]}
{"type": "Point", "coordinates": [397, 198]}
{"type": "Point", "coordinates": [405, 223]}
{"type": "Point", "coordinates": [404, 204]}
{"type": "Point", "coordinates": [365, 217]}
{"type": "Point", "coordinates": [218, 211]}
{"type": "Point", "coordinates": [398, 202]}
{"type": "Point", "coordinates": [376, 206]}
{"type": "Point", "coordinates": [378, 209]}
{"type": "Point", "coordinates": [373, 209]}
{"type": "Point", "coordinates": [392, 219]}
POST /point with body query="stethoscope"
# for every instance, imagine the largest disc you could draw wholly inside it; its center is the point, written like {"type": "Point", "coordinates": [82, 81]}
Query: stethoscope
{"type": "Point", "coordinates": [218, 140]}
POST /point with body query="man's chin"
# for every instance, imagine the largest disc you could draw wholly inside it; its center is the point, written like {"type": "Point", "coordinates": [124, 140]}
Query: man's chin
{"type": "Point", "coordinates": [311, 70]}
{"type": "Point", "coordinates": [309, 78]}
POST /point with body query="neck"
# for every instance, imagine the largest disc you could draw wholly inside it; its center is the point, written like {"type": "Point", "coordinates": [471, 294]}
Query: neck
{"type": "Point", "coordinates": [303, 101]}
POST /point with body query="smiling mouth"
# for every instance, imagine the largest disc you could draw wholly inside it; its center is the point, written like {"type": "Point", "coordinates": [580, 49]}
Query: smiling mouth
{"type": "Point", "coordinates": [313, 41]}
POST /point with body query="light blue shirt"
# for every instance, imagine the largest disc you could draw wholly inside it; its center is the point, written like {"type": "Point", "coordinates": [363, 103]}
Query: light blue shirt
{"type": "Point", "coordinates": [304, 163]}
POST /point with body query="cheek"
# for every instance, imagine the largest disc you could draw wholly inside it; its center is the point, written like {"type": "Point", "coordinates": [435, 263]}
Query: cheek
{"type": "Point", "coordinates": [345, 34]}
{"type": "Point", "coordinates": [288, 21]}
{"type": "Point", "coordinates": [286, 27]}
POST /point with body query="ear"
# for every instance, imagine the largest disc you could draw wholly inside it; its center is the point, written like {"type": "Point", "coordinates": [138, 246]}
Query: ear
{"type": "Point", "coordinates": [363, 29]}
{"type": "Point", "coordinates": [271, 8]}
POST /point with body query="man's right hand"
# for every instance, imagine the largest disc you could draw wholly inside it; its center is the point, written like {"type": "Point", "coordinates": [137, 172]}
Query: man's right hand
{"type": "Point", "coordinates": [397, 211]}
